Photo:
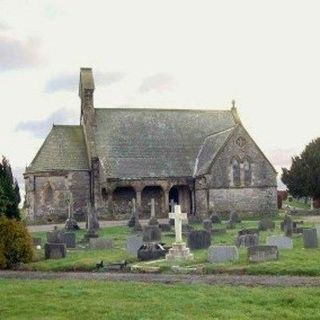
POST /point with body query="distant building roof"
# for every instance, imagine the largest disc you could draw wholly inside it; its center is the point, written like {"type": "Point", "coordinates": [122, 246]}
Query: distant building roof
{"type": "Point", "coordinates": [63, 149]}
{"type": "Point", "coordinates": [142, 143]}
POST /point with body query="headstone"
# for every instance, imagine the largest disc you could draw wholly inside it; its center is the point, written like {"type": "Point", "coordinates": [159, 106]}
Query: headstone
{"type": "Point", "coordinates": [179, 251]}
{"type": "Point", "coordinates": [71, 225]}
{"type": "Point", "coordinates": [266, 224]}
{"type": "Point", "coordinates": [247, 240]}
{"type": "Point", "coordinates": [234, 217]}
{"type": "Point", "coordinates": [55, 236]}
{"type": "Point", "coordinates": [215, 219]}
{"type": "Point", "coordinates": [288, 226]}
{"type": "Point", "coordinates": [132, 219]}
{"type": "Point", "coordinates": [151, 233]}
{"type": "Point", "coordinates": [70, 239]}
{"type": "Point", "coordinates": [151, 252]}
{"type": "Point", "coordinates": [100, 243]}
{"type": "Point", "coordinates": [207, 225]}
{"type": "Point", "coordinates": [92, 223]}
{"type": "Point", "coordinates": [134, 242]}
{"type": "Point", "coordinates": [310, 239]}
{"type": "Point", "coordinates": [36, 241]}
{"type": "Point", "coordinates": [165, 227]}
{"type": "Point", "coordinates": [282, 242]}
{"type": "Point", "coordinates": [248, 231]}
{"type": "Point", "coordinates": [220, 254]}
{"type": "Point", "coordinates": [54, 250]}
{"type": "Point", "coordinates": [263, 253]}
{"type": "Point", "coordinates": [153, 220]}
{"type": "Point", "coordinates": [199, 239]}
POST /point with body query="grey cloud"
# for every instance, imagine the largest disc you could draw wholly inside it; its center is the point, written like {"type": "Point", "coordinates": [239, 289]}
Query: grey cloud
{"type": "Point", "coordinates": [40, 128]}
{"type": "Point", "coordinates": [158, 82]}
{"type": "Point", "coordinates": [16, 54]}
{"type": "Point", "coordinates": [69, 82]}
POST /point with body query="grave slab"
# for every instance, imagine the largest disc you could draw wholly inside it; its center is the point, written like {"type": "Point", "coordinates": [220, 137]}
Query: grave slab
{"type": "Point", "coordinates": [220, 254]}
{"type": "Point", "coordinates": [282, 242]}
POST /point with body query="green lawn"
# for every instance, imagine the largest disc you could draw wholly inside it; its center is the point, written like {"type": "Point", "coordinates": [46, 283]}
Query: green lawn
{"type": "Point", "coordinates": [71, 299]}
{"type": "Point", "coordinates": [298, 261]}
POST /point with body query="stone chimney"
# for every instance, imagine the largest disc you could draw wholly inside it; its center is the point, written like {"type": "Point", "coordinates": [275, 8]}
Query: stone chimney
{"type": "Point", "coordinates": [87, 118]}
{"type": "Point", "coordinates": [86, 89]}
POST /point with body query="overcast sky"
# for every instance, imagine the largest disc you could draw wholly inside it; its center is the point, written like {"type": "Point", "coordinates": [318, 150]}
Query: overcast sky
{"type": "Point", "coordinates": [189, 54]}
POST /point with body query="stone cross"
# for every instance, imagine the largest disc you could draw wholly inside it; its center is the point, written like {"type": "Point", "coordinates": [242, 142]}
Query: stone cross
{"type": "Point", "coordinates": [70, 203]}
{"type": "Point", "coordinates": [153, 211]}
{"type": "Point", "coordinates": [178, 216]}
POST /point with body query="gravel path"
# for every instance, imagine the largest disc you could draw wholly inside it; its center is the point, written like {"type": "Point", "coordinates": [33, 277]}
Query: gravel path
{"type": "Point", "coordinates": [250, 281]}
{"type": "Point", "coordinates": [103, 224]}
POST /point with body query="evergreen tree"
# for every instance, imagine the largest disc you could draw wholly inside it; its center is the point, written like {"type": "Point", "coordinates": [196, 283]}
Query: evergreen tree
{"type": "Point", "coordinates": [303, 178]}
{"type": "Point", "coordinates": [10, 195]}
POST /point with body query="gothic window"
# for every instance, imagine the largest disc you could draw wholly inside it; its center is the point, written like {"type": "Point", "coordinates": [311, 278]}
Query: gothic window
{"type": "Point", "coordinates": [236, 172]}
{"type": "Point", "coordinates": [247, 172]}
{"type": "Point", "coordinates": [48, 195]}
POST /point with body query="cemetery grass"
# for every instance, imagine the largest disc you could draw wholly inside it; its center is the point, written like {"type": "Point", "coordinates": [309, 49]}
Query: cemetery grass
{"type": "Point", "coordinates": [298, 261]}
{"type": "Point", "coordinates": [79, 299]}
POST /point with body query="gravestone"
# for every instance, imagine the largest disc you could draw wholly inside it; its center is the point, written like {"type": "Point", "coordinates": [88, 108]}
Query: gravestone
{"type": "Point", "coordinates": [282, 242]}
{"type": "Point", "coordinates": [247, 240]}
{"type": "Point", "coordinates": [179, 251]}
{"type": "Point", "coordinates": [220, 254]}
{"type": "Point", "coordinates": [54, 250]}
{"type": "Point", "coordinates": [70, 239]}
{"type": "Point", "coordinates": [134, 242]}
{"type": "Point", "coordinates": [100, 243]}
{"type": "Point", "coordinates": [263, 253]}
{"type": "Point", "coordinates": [92, 223]}
{"type": "Point", "coordinates": [151, 252]}
{"type": "Point", "coordinates": [288, 226]}
{"type": "Point", "coordinates": [151, 233]}
{"type": "Point", "coordinates": [207, 225]}
{"type": "Point", "coordinates": [199, 239]}
{"type": "Point", "coordinates": [55, 236]}
{"type": "Point", "coordinates": [266, 224]}
{"type": "Point", "coordinates": [215, 219]}
{"type": "Point", "coordinates": [248, 231]}
{"type": "Point", "coordinates": [71, 223]}
{"type": "Point", "coordinates": [153, 220]}
{"type": "Point", "coordinates": [165, 227]}
{"type": "Point", "coordinates": [310, 239]}
{"type": "Point", "coordinates": [132, 219]}
{"type": "Point", "coordinates": [234, 217]}
{"type": "Point", "coordinates": [36, 241]}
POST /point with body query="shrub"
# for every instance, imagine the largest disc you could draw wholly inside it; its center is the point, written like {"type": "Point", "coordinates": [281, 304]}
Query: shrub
{"type": "Point", "coordinates": [15, 243]}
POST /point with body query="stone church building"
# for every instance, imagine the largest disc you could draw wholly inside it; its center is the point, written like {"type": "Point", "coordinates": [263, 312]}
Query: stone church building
{"type": "Point", "coordinates": [204, 160]}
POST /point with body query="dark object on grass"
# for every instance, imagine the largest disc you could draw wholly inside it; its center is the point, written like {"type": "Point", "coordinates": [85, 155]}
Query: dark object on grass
{"type": "Point", "coordinates": [151, 252]}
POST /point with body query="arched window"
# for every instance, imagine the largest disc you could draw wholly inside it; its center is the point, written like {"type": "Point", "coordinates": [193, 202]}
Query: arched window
{"type": "Point", "coordinates": [48, 195]}
{"type": "Point", "coordinates": [235, 172]}
{"type": "Point", "coordinates": [247, 172]}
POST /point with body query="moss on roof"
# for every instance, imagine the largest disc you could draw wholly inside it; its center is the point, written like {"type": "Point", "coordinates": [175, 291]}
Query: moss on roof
{"type": "Point", "coordinates": [63, 149]}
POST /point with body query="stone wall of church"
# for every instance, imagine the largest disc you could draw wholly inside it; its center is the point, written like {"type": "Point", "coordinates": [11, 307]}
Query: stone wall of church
{"type": "Point", "coordinates": [246, 201]}
{"type": "Point", "coordinates": [47, 195]}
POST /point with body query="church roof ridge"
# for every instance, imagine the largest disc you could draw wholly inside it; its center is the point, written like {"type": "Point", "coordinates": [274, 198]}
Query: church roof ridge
{"type": "Point", "coordinates": [163, 109]}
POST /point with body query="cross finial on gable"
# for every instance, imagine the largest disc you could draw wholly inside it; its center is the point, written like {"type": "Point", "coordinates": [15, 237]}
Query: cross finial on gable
{"type": "Point", "coordinates": [233, 102]}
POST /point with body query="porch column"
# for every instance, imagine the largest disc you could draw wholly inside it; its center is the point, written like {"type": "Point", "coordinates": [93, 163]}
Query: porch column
{"type": "Point", "coordinates": [166, 201]}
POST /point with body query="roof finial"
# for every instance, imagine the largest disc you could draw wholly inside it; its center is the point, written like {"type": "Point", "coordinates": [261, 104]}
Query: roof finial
{"type": "Point", "coordinates": [233, 103]}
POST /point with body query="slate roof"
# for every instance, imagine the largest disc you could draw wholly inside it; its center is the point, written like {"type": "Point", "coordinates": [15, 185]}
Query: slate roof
{"type": "Point", "coordinates": [142, 143]}
{"type": "Point", "coordinates": [209, 150]}
{"type": "Point", "coordinates": [63, 149]}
